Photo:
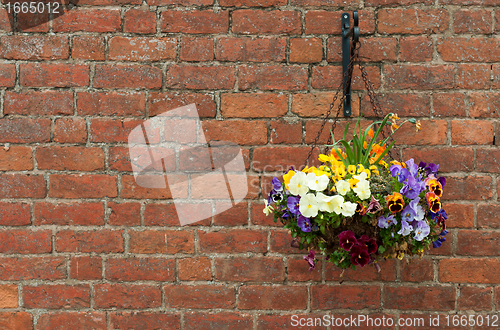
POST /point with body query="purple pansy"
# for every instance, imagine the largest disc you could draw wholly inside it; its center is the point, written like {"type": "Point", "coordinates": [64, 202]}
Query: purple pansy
{"type": "Point", "coordinates": [359, 255]}
{"type": "Point", "coordinates": [412, 167]}
{"type": "Point", "coordinates": [400, 172]}
{"type": "Point", "coordinates": [412, 187]}
{"type": "Point", "coordinates": [386, 222]}
{"type": "Point", "coordinates": [422, 231]}
{"type": "Point", "coordinates": [293, 204]}
{"type": "Point", "coordinates": [347, 239]}
{"type": "Point", "coordinates": [304, 224]}
{"type": "Point", "coordinates": [370, 243]}
{"type": "Point", "coordinates": [310, 260]}
{"type": "Point", "coordinates": [408, 214]}
{"type": "Point", "coordinates": [277, 186]}
{"type": "Point", "coordinates": [406, 228]}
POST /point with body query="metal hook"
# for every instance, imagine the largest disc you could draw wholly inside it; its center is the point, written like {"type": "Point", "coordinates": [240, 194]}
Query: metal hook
{"type": "Point", "coordinates": [347, 54]}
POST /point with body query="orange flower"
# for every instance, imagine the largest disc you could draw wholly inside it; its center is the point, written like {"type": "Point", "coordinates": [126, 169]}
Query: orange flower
{"type": "Point", "coordinates": [433, 201]}
{"type": "Point", "coordinates": [378, 150]}
{"type": "Point", "coordinates": [435, 187]}
{"type": "Point", "coordinates": [370, 133]}
{"type": "Point", "coordinates": [395, 202]}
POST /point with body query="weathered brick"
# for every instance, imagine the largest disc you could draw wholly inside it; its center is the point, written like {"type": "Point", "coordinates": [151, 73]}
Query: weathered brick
{"type": "Point", "coordinates": [7, 74]}
{"type": "Point", "coordinates": [16, 159]}
{"type": "Point", "coordinates": [15, 214]}
{"type": "Point", "coordinates": [449, 105]}
{"type": "Point", "coordinates": [487, 217]}
{"type": "Point", "coordinates": [404, 105]}
{"type": "Point", "coordinates": [24, 130]}
{"type": "Point", "coordinates": [284, 132]}
{"type": "Point", "coordinates": [180, 2]}
{"type": "Point", "coordinates": [131, 190]}
{"type": "Point", "coordinates": [9, 296]}
{"type": "Point", "coordinates": [88, 20]}
{"type": "Point", "coordinates": [277, 297]}
{"type": "Point", "coordinates": [82, 186]}
{"type": "Point", "coordinates": [108, 296]}
{"type": "Point", "coordinates": [465, 49]}
{"type": "Point", "coordinates": [195, 269]}
{"type": "Point", "coordinates": [34, 47]}
{"type": "Point", "coordinates": [238, 131]}
{"type": "Point", "coordinates": [53, 75]}
{"type": "Point", "coordinates": [85, 268]}
{"type": "Point", "coordinates": [66, 214]}
{"type": "Point", "coordinates": [327, 22]}
{"type": "Point", "coordinates": [25, 241]}
{"type": "Point", "coordinates": [272, 77]}
{"type": "Point", "coordinates": [139, 21]}
{"type": "Point", "coordinates": [329, 77]}
{"type": "Point", "coordinates": [473, 76]}
{"type": "Point", "coordinates": [74, 320]}
{"type": "Point", "coordinates": [32, 22]}
{"type": "Point", "coordinates": [469, 270]}
{"type": "Point", "coordinates": [280, 242]}
{"type": "Point", "coordinates": [474, 298]}
{"type": "Point", "coordinates": [410, 136]}
{"type": "Point", "coordinates": [111, 103]}
{"type": "Point", "coordinates": [161, 241]}
{"type": "Point", "coordinates": [478, 243]}
{"type": "Point", "coordinates": [415, 49]}
{"type": "Point", "coordinates": [199, 296]}
{"type": "Point", "coordinates": [16, 320]}
{"type": "Point", "coordinates": [252, 3]}
{"type": "Point", "coordinates": [253, 105]}
{"type": "Point", "coordinates": [218, 320]}
{"type": "Point", "coordinates": [38, 103]}
{"type": "Point", "coordinates": [468, 132]}
{"type": "Point", "coordinates": [278, 158]}
{"type": "Point", "coordinates": [412, 21]}
{"type": "Point", "coordinates": [344, 296]}
{"type": "Point", "coordinates": [160, 102]}
{"type": "Point", "coordinates": [361, 274]}
{"type": "Point", "coordinates": [462, 215]}
{"type": "Point", "coordinates": [31, 268]}
{"type": "Point", "coordinates": [268, 269]}
{"type": "Point", "coordinates": [127, 76]}
{"type": "Point", "coordinates": [56, 296]}
{"type": "Point", "coordinates": [417, 270]}
{"type": "Point", "coordinates": [109, 2]}
{"type": "Point", "coordinates": [472, 21]}
{"type": "Point", "coordinates": [254, 49]}
{"type": "Point", "coordinates": [229, 241]}
{"type": "Point", "coordinates": [455, 159]}
{"type": "Point", "coordinates": [484, 105]}
{"type": "Point", "coordinates": [113, 130]}
{"type": "Point", "coordinates": [70, 130]}
{"type": "Point", "coordinates": [318, 104]}
{"type": "Point", "coordinates": [88, 48]}
{"type": "Point", "coordinates": [298, 270]}
{"type": "Point", "coordinates": [101, 241]}
{"type": "Point", "coordinates": [124, 214]}
{"type": "Point", "coordinates": [194, 21]}
{"type": "Point", "coordinates": [145, 320]}
{"type": "Point", "coordinates": [140, 269]}
{"type": "Point", "coordinates": [5, 19]}
{"type": "Point", "coordinates": [259, 218]}
{"type": "Point", "coordinates": [306, 50]}
{"type": "Point", "coordinates": [22, 186]}
{"type": "Point", "coordinates": [200, 77]}
{"type": "Point", "coordinates": [142, 49]}
{"type": "Point", "coordinates": [468, 188]}
{"type": "Point", "coordinates": [196, 49]}
{"type": "Point", "coordinates": [419, 77]}
{"type": "Point", "coordinates": [70, 158]}
{"type": "Point", "coordinates": [377, 3]}
{"type": "Point", "coordinates": [436, 298]}
{"type": "Point", "coordinates": [236, 215]}
{"type": "Point", "coordinates": [249, 21]}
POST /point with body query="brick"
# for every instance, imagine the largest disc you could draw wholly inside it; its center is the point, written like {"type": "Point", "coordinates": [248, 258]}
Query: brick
{"type": "Point", "coordinates": [253, 105]}
{"type": "Point", "coordinates": [111, 104]}
{"type": "Point", "coordinates": [284, 132]}
{"type": "Point", "coordinates": [124, 214]}
{"type": "Point", "coordinates": [317, 104]}
{"type": "Point", "coordinates": [249, 21]}
{"type": "Point", "coordinates": [25, 241]}
{"type": "Point", "coordinates": [455, 159]}
{"type": "Point", "coordinates": [254, 49]}
{"type": "Point", "coordinates": [99, 241]}
{"type": "Point", "coordinates": [82, 186]}
{"type": "Point", "coordinates": [88, 48]}
{"type": "Point", "coordinates": [373, 49]}
{"type": "Point", "coordinates": [344, 296]}
{"type": "Point", "coordinates": [259, 218]}
{"type": "Point", "coordinates": [180, 2]}
{"type": "Point", "coordinates": [7, 75]}
{"type": "Point", "coordinates": [56, 296]}
{"type": "Point", "coordinates": [85, 159]}
{"type": "Point", "coordinates": [9, 296]}
{"type": "Point", "coordinates": [199, 296]}
{"type": "Point", "coordinates": [38, 103]}
{"type": "Point", "coordinates": [160, 102]}
{"type": "Point", "coordinates": [145, 320]}
{"type": "Point", "coordinates": [219, 320]}
{"type": "Point", "coordinates": [24, 130]}
{"type": "Point", "coordinates": [404, 105]}
{"type": "Point", "coordinates": [312, 128]}
{"type": "Point", "coordinates": [142, 49]}
{"type": "Point", "coordinates": [468, 188]}
{"type": "Point", "coordinates": [34, 47]}
{"type": "Point", "coordinates": [126, 296]}
{"type": "Point", "coordinates": [437, 298]}
{"type": "Point", "coordinates": [329, 77]}
{"type": "Point", "coordinates": [279, 158]}
{"type": "Point", "coordinates": [277, 297]}
{"type": "Point", "coordinates": [131, 190]}
{"type": "Point", "coordinates": [194, 21]}
{"type": "Point", "coordinates": [109, 2]}
{"type": "Point", "coordinates": [417, 270]}
{"type": "Point", "coordinates": [53, 75]}
{"type": "Point", "coordinates": [85, 268]}
{"type": "Point", "coordinates": [377, 3]}
{"type": "Point", "coordinates": [306, 50]}
{"type": "Point", "coordinates": [229, 241]}
{"type": "Point", "coordinates": [298, 270]}
{"type": "Point", "coordinates": [473, 76]}
{"type": "Point", "coordinates": [252, 3]}
{"type": "Point", "coordinates": [196, 49]}
{"type": "Point", "coordinates": [32, 22]}
{"type": "Point", "coordinates": [16, 159]}
{"type": "Point", "coordinates": [139, 21]}
{"type": "Point", "coordinates": [113, 130]}
{"type": "Point", "coordinates": [268, 269]}
{"type": "Point", "coordinates": [63, 320]}
{"type": "Point", "coordinates": [410, 136]}
{"type": "Point", "coordinates": [465, 49]}
{"type": "Point", "coordinates": [161, 241]}
{"type": "Point", "coordinates": [474, 298]}
{"type": "Point", "coordinates": [15, 214]}
{"type": "Point", "coordinates": [419, 77]}
{"type": "Point", "coordinates": [469, 132]}
{"type": "Point", "coordinates": [484, 104]}
{"type": "Point", "coordinates": [415, 49]}
{"type": "Point", "coordinates": [195, 269]}
{"type": "Point", "coordinates": [280, 243]}
{"type": "Point", "coordinates": [460, 215]}
{"type": "Point", "coordinates": [67, 214]}
{"type": "Point", "coordinates": [160, 215]}
{"type": "Point", "coordinates": [5, 18]}
{"type": "Point", "coordinates": [140, 269]}
{"type": "Point", "coordinates": [469, 270]}
{"type": "Point", "coordinates": [88, 20]}
{"type": "Point", "coordinates": [272, 77]}
{"type": "Point", "coordinates": [127, 76]}
{"type": "Point", "coordinates": [232, 216]}
{"type": "Point", "coordinates": [16, 320]}
{"type": "Point", "coordinates": [119, 159]}
{"type": "Point", "coordinates": [200, 77]}
{"type": "Point", "coordinates": [412, 21]}
{"type": "Point", "coordinates": [488, 160]}
{"type": "Point", "coordinates": [477, 243]}
{"type": "Point", "coordinates": [70, 130]}
{"type": "Point", "coordinates": [487, 217]}
{"type": "Point", "coordinates": [449, 105]}
{"type": "Point", "coordinates": [30, 268]}
{"type": "Point", "coordinates": [238, 131]}
{"type": "Point", "coordinates": [472, 21]}
{"type": "Point", "coordinates": [364, 274]}
{"type": "Point", "coordinates": [283, 321]}
{"type": "Point", "coordinates": [445, 249]}
{"type": "Point", "coordinates": [326, 22]}
{"type": "Point", "coordinates": [22, 186]}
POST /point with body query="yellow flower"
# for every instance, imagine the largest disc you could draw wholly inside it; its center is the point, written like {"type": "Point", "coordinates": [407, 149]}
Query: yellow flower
{"type": "Point", "coordinates": [394, 117]}
{"type": "Point", "coordinates": [351, 169]}
{"type": "Point", "coordinates": [418, 126]}
{"type": "Point", "coordinates": [340, 171]}
{"type": "Point", "coordinates": [401, 255]}
{"type": "Point", "coordinates": [353, 183]}
{"type": "Point", "coordinates": [394, 127]}
{"type": "Point", "coordinates": [287, 177]}
{"type": "Point", "coordinates": [367, 171]}
{"type": "Point", "coordinates": [361, 168]}
{"type": "Point", "coordinates": [323, 158]}
{"type": "Point", "coordinates": [374, 169]}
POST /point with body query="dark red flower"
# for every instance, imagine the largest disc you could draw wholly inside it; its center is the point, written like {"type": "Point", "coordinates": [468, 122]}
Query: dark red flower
{"type": "Point", "coordinates": [347, 239]}
{"type": "Point", "coordinates": [359, 255]}
{"type": "Point", "coordinates": [370, 243]}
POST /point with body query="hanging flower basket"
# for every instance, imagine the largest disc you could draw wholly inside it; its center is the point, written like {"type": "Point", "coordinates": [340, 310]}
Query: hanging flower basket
{"type": "Point", "coordinates": [360, 206]}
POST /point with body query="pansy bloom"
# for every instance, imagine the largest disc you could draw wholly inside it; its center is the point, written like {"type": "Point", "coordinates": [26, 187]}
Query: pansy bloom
{"type": "Point", "coordinates": [304, 224]}
{"type": "Point", "coordinates": [370, 243]}
{"type": "Point", "coordinates": [433, 201]}
{"type": "Point", "coordinates": [395, 202]}
{"type": "Point", "coordinates": [347, 239]}
{"type": "Point", "coordinates": [435, 187]}
{"type": "Point", "coordinates": [359, 256]}
{"type": "Point", "coordinates": [310, 260]}
{"type": "Point", "coordinates": [386, 222]}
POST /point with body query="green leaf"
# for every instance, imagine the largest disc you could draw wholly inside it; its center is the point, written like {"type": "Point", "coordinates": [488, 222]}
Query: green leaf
{"type": "Point", "coordinates": [345, 131]}
{"type": "Point", "coordinates": [322, 229]}
{"type": "Point", "coordinates": [294, 234]}
{"type": "Point", "coordinates": [381, 249]}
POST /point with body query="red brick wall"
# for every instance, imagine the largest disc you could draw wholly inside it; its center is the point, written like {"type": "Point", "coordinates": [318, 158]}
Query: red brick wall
{"type": "Point", "coordinates": [83, 247]}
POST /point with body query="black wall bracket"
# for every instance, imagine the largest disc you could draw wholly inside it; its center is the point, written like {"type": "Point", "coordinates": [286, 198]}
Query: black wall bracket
{"type": "Point", "coordinates": [347, 54]}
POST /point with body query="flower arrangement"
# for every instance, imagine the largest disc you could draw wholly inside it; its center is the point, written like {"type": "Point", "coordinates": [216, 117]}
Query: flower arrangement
{"type": "Point", "coordinates": [359, 206]}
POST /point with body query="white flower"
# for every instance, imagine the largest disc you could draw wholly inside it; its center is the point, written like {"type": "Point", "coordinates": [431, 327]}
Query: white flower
{"type": "Point", "coordinates": [361, 177]}
{"type": "Point", "coordinates": [308, 206]}
{"type": "Point", "coordinates": [362, 189]}
{"type": "Point", "coordinates": [338, 202]}
{"type": "Point", "coordinates": [298, 184]}
{"type": "Point", "coordinates": [324, 202]}
{"type": "Point", "coordinates": [268, 208]}
{"type": "Point", "coordinates": [348, 209]}
{"type": "Point", "coordinates": [318, 183]}
{"type": "Point", "coordinates": [420, 213]}
{"type": "Point", "coordinates": [343, 187]}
